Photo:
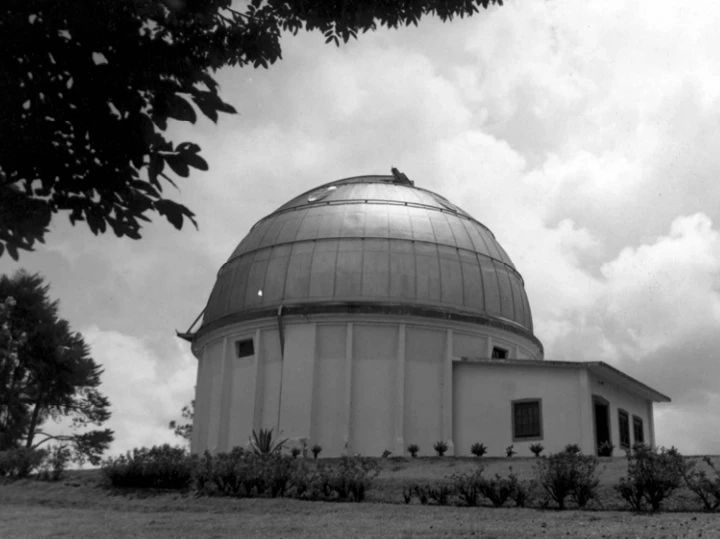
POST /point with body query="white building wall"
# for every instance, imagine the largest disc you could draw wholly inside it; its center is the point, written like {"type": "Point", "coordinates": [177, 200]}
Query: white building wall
{"type": "Point", "coordinates": [425, 350]}
{"type": "Point", "coordinates": [298, 365]}
{"type": "Point", "coordinates": [482, 407]}
{"type": "Point", "coordinates": [353, 384]}
{"type": "Point", "coordinates": [329, 417]}
{"type": "Point", "coordinates": [373, 389]}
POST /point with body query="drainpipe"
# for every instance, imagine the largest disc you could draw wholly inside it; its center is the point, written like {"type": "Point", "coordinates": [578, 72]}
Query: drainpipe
{"type": "Point", "coordinates": [281, 335]}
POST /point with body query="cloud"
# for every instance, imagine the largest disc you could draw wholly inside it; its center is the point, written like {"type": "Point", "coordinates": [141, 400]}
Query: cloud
{"type": "Point", "coordinates": [146, 390]}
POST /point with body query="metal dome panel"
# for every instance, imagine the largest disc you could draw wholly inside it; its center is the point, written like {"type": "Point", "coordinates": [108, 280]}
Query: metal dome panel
{"type": "Point", "coordinates": [370, 241]}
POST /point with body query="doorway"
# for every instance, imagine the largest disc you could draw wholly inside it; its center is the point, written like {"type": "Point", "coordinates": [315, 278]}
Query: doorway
{"type": "Point", "coordinates": [601, 409]}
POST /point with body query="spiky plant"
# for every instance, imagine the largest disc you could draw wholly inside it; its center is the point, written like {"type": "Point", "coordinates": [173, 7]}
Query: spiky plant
{"type": "Point", "coordinates": [262, 442]}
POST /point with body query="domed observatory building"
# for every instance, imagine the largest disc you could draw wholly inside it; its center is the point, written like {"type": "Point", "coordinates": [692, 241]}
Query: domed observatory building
{"type": "Point", "coordinates": [369, 314]}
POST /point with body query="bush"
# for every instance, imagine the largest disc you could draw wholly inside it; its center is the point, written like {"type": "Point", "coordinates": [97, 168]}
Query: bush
{"type": "Point", "coordinates": [536, 449]}
{"type": "Point", "coordinates": [53, 466]}
{"type": "Point", "coordinates": [467, 486]}
{"type": "Point", "coordinates": [163, 466]}
{"type": "Point", "coordinates": [20, 462]}
{"type": "Point", "coordinates": [510, 450]}
{"type": "Point", "coordinates": [295, 452]}
{"type": "Point", "coordinates": [244, 474]}
{"type": "Point", "coordinates": [316, 449]}
{"type": "Point", "coordinates": [413, 450]}
{"type": "Point", "coordinates": [440, 447]}
{"type": "Point", "coordinates": [478, 449]}
{"type": "Point", "coordinates": [520, 493]}
{"type": "Point", "coordinates": [350, 479]}
{"type": "Point", "coordinates": [704, 487]}
{"type": "Point", "coordinates": [568, 474]}
{"type": "Point", "coordinates": [573, 449]}
{"type": "Point", "coordinates": [439, 493]}
{"type": "Point", "coordinates": [652, 476]}
{"type": "Point", "coordinates": [497, 489]}
{"type": "Point", "coordinates": [470, 486]}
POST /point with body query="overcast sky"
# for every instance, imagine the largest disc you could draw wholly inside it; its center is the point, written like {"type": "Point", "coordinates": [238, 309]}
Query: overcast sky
{"type": "Point", "coordinates": [585, 135]}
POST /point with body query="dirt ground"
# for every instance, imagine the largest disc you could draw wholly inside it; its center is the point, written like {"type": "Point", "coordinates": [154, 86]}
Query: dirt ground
{"type": "Point", "coordinates": [79, 506]}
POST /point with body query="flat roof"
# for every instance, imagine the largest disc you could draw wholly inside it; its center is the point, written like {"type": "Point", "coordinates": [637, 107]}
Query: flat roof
{"type": "Point", "coordinates": [598, 368]}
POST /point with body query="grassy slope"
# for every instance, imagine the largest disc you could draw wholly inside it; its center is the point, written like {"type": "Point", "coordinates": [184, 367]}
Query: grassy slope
{"type": "Point", "coordinates": [79, 507]}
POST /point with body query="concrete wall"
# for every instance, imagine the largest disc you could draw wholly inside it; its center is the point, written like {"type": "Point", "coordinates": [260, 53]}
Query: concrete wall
{"type": "Point", "coordinates": [364, 384]}
{"type": "Point", "coordinates": [482, 406]}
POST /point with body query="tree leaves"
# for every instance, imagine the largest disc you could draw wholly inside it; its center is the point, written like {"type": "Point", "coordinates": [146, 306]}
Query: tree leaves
{"type": "Point", "coordinates": [45, 371]}
{"type": "Point", "coordinates": [88, 88]}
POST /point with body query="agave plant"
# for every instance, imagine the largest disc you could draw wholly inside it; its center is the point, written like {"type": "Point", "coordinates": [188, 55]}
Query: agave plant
{"type": "Point", "coordinates": [262, 442]}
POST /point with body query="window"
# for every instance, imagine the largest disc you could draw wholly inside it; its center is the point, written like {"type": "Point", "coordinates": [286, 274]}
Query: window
{"type": "Point", "coordinates": [526, 420]}
{"type": "Point", "coordinates": [499, 353]}
{"type": "Point", "coordinates": [244, 348]}
{"type": "Point", "coordinates": [638, 434]}
{"type": "Point", "coordinates": [624, 426]}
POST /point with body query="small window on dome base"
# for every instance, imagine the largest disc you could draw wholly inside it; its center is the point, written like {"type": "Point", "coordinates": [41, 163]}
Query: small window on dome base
{"type": "Point", "coordinates": [499, 353]}
{"type": "Point", "coordinates": [244, 348]}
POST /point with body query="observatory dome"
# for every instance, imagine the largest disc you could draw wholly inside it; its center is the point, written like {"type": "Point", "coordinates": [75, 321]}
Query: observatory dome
{"type": "Point", "coordinates": [370, 244]}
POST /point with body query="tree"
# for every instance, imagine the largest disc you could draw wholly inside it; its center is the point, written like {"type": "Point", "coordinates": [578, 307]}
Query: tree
{"type": "Point", "coordinates": [87, 88]}
{"type": "Point", "coordinates": [184, 430]}
{"type": "Point", "coordinates": [46, 372]}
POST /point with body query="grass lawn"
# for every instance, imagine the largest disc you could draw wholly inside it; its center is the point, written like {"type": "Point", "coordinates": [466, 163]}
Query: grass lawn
{"type": "Point", "coordinates": [79, 506]}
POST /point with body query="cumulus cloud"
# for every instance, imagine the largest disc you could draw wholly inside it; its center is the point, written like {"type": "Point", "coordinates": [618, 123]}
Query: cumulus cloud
{"type": "Point", "coordinates": [146, 390]}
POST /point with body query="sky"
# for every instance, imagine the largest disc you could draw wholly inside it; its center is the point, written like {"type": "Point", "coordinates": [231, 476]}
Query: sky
{"type": "Point", "coordinates": [585, 135]}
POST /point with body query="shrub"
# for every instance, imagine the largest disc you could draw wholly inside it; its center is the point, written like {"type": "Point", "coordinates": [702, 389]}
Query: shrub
{"type": "Point", "coordinates": [470, 486]}
{"type": "Point", "coordinates": [262, 442]}
{"type": "Point", "coordinates": [497, 489]}
{"type": "Point", "coordinates": [386, 453]}
{"type": "Point", "coordinates": [467, 486]}
{"type": "Point", "coordinates": [440, 447]}
{"type": "Point", "coordinates": [478, 449]}
{"type": "Point", "coordinates": [54, 464]}
{"type": "Point", "coordinates": [158, 467]}
{"type": "Point", "coordinates": [350, 478]}
{"type": "Point", "coordinates": [605, 449]}
{"type": "Point", "coordinates": [295, 452]}
{"type": "Point", "coordinates": [510, 450]}
{"type": "Point", "coordinates": [704, 487]}
{"type": "Point", "coordinates": [573, 449]}
{"type": "Point", "coordinates": [439, 493]}
{"type": "Point", "coordinates": [243, 474]}
{"type": "Point", "coordinates": [536, 449]}
{"type": "Point", "coordinates": [520, 492]}
{"type": "Point", "coordinates": [408, 492]}
{"type": "Point", "coordinates": [316, 449]}
{"type": "Point", "coordinates": [653, 474]}
{"type": "Point", "coordinates": [20, 461]}
{"type": "Point", "coordinates": [568, 474]}
{"type": "Point", "coordinates": [413, 450]}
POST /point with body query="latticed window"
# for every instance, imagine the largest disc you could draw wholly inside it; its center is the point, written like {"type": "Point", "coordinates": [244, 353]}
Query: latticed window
{"type": "Point", "coordinates": [638, 433]}
{"type": "Point", "coordinates": [624, 426]}
{"type": "Point", "coordinates": [527, 421]}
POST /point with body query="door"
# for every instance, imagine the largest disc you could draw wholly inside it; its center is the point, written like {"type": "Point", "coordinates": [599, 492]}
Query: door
{"type": "Point", "coordinates": [602, 422]}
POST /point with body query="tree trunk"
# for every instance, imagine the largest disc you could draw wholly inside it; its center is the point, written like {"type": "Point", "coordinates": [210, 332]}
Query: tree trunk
{"type": "Point", "coordinates": [33, 424]}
